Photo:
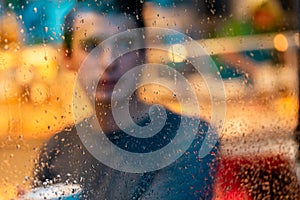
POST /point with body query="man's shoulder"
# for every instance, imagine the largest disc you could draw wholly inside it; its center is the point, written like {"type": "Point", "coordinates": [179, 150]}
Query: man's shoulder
{"type": "Point", "coordinates": [177, 118]}
{"type": "Point", "coordinates": [66, 137]}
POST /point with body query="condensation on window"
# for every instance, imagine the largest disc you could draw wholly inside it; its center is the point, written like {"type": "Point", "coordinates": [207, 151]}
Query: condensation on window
{"type": "Point", "coordinates": [232, 65]}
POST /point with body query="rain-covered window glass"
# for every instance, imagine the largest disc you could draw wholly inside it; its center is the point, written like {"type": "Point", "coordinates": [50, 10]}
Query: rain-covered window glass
{"type": "Point", "coordinates": [149, 99]}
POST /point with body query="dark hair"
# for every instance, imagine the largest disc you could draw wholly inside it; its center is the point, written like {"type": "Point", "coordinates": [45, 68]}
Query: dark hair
{"type": "Point", "coordinates": [130, 9]}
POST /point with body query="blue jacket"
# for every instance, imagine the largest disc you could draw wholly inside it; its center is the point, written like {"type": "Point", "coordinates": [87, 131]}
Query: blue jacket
{"type": "Point", "coordinates": [65, 159]}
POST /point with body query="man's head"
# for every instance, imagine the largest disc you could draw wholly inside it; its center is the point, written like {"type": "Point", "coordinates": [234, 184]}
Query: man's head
{"type": "Point", "coordinates": [87, 26]}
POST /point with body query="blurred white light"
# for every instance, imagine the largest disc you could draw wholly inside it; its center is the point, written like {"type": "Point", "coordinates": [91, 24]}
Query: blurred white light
{"type": "Point", "coordinates": [177, 53]}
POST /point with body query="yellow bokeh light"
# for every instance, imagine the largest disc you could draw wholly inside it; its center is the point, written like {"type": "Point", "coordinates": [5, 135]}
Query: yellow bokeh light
{"type": "Point", "coordinates": [280, 42]}
{"type": "Point", "coordinates": [43, 62]}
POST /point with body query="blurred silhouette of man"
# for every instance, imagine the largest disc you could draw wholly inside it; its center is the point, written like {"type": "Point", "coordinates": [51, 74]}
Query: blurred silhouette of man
{"type": "Point", "coordinates": [65, 159]}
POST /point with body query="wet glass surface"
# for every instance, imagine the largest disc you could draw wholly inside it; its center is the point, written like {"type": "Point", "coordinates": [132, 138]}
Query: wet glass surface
{"type": "Point", "coordinates": [231, 66]}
